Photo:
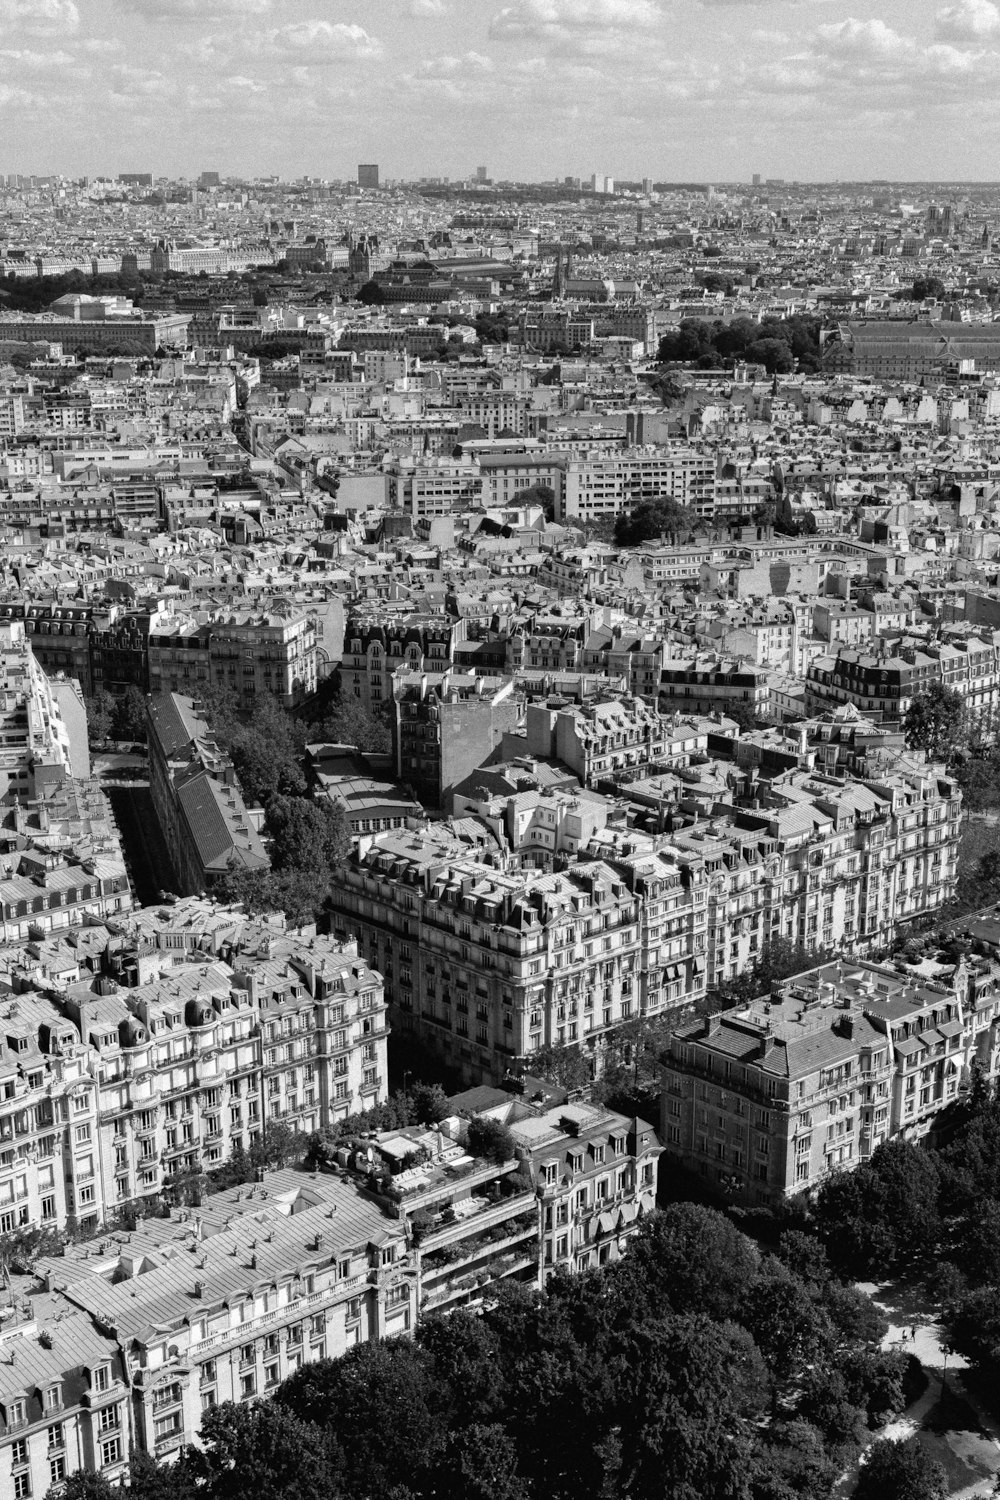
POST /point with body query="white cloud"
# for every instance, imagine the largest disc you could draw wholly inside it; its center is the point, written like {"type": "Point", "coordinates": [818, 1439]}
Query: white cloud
{"type": "Point", "coordinates": [555, 20]}
{"type": "Point", "coordinates": [130, 83]}
{"type": "Point", "coordinates": [863, 40]}
{"type": "Point", "coordinates": [967, 21]}
{"type": "Point", "coordinates": [422, 9]}
{"type": "Point", "coordinates": [195, 10]}
{"type": "Point", "coordinates": [18, 98]}
{"type": "Point", "coordinates": [36, 60]}
{"type": "Point", "coordinates": [40, 17]}
{"type": "Point", "coordinates": [446, 66]}
{"type": "Point", "coordinates": [323, 41]}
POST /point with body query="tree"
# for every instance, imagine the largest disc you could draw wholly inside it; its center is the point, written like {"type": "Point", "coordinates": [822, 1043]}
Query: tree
{"type": "Point", "coordinates": [936, 722]}
{"type": "Point", "coordinates": [386, 1388]}
{"type": "Point", "coordinates": [430, 1103]}
{"type": "Point", "coordinates": [693, 1393]}
{"type": "Point", "coordinates": [689, 1259]}
{"type": "Point", "coordinates": [265, 1450]}
{"type": "Point", "coordinates": [927, 286]}
{"type": "Point", "coordinates": [979, 778]}
{"type": "Point", "coordinates": [371, 294]}
{"type": "Point", "coordinates": [743, 713]}
{"type": "Point", "coordinates": [480, 1463]}
{"type": "Point", "coordinates": [490, 1139]}
{"type": "Point", "coordinates": [900, 1471]}
{"type": "Point", "coordinates": [654, 518]}
{"type": "Point", "coordinates": [308, 836]}
{"type": "Point", "coordinates": [100, 716]}
{"type": "Point", "coordinates": [348, 722]}
{"type": "Point", "coordinates": [84, 1485]}
{"type": "Point", "coordinates": [278, 1145]}
{"type": "Point", "coordinates": [130, 715]}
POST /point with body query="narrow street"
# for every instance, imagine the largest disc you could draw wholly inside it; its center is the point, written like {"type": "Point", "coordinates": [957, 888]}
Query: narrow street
{"type": "Point", "coordinates": [146, 855]}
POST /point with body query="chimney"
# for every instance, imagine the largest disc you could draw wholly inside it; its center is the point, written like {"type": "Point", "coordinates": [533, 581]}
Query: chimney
{"type": "Point", "coordinates": [199, 1289]}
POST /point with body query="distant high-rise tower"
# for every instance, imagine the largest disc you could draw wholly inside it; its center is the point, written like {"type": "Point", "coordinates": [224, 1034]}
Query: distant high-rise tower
{"type": "Point", "coordinates": [208, 180]}
{"type": "Point", "coordinates": [609, 186]}
{"type": "Point", "coordinates": [640, 221]}
{"type": "Point", "coordinates": [647, 186]}
{"type": "Point", "coordinates": [368, 175]}
{"type": "Point", "coordinates": [480, 174]}
{"type": "Point", "coordinates": [756, 179]}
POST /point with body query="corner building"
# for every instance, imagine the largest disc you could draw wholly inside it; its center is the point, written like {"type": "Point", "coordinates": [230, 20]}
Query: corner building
{"type": "Point", "coordinates": [767, 1101]}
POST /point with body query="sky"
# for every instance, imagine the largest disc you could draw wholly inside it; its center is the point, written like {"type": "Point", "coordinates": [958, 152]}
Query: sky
{"type": "Point", "coordinates": [679, 90]}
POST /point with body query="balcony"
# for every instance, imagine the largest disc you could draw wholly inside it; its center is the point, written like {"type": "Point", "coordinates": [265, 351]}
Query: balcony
{"type": "Point", "coordinates": [488, 1217]}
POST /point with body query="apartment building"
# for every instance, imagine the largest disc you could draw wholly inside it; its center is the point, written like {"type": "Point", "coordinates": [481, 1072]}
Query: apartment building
{"type": "Point", "coordinates": [64, 1399]}
{"type": "Point", "coordinates": [602, 485]}
{"type": "Point", "coordinates": [821, 861]}
{"type": "Point", "coordinates": [882, 683]}
{"type": "Point", "coordinates": [212, 1305]}
{"type": "Point", "coordinates": [766, 1102]}
{"type": "Point", "coordinates": [256, 653]}
{"type": "Point", "coordinates": [709, 683]}
{"type": "Point", "coordinates": [377, 642]}
{"type": "Point", "coordinates": [599, 739]}
{"type": "Point", "coordinates": [129, 1060]}
{"type": "Point", "coordinates": [506, 475]}
{"type": "Point", "coordinates": [425, 488]}
{"type": "Point", "coordinates": [447, 724]}
{"type": "Point", "coordinates": [197, 798]}
{"type": "Point", "coordinates": [487, 967]}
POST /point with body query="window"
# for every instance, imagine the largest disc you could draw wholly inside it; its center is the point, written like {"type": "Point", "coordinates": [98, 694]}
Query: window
{"type": "Point", "coordinates": [101, 1378]}
{"type": "Point", "coordinates": [22, 1485]}
{"type": "Point", "coordinates": [15, 1413]}
{"type": "Point", "coordinates": [19, 1451]}
{"type": "Point", "coordinates": [57, 1469]}
{"type": "Point", "coordinates": [53, 1398]}
{"type": "Point", "coordinates": [55, 1435]}
{"type": "Point", "coordinates": [109, 1416]}
{"type": "Point", "coordinates": [248, 1385]}
{"type": "Point", "coordinates": [111, 1452]}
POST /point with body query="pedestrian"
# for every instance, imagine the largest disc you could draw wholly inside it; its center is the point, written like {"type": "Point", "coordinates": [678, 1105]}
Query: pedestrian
{"type": "Point", "coordinates": [913, 1334]}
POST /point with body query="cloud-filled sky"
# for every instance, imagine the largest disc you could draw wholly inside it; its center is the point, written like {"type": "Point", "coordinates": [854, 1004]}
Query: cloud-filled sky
{"type": "Point", "coordinates": [675, 89]}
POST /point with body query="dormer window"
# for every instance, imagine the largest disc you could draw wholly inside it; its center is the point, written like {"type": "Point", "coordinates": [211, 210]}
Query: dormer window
{"type": "Point", "coordinates": [16, 1410]}
{"type": "Point", "coordinates": [53, 1398]}
{"type": "Point", "coordinates": [102, 1377]}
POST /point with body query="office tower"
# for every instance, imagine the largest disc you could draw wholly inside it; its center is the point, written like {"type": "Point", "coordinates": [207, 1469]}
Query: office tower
{"type": "Point", "coordinates": [208, 180]}
{"type": "Point", "coordinates": [609, 185]}
{"type": "Point", "coordinates": [647, 186]}
{"type": "Point", "coordinates": [480, 174]}
{"type": "Point", "coordinates": [756, 179]}
{"type": "Point", "coordinates": [368, 175]}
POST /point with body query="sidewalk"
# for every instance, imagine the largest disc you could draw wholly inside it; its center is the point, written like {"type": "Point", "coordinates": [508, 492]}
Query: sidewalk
{"type": "Point", "coordinates": [971, 1459]}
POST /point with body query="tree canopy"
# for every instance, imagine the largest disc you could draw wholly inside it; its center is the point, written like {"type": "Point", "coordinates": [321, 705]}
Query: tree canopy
{"type": "Point", "coordinates": [780, 344]}
{"type": "Point", "coordinates": [936, 721]}
{"type": "Point", "coordinates": [695, 1368]}
{"type": "Point", "coordinates": [651, 519]}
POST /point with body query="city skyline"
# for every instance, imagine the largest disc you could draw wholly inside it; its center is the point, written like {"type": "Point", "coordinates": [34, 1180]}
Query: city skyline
{"type": "Point", "coordinates": [693, 89]}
